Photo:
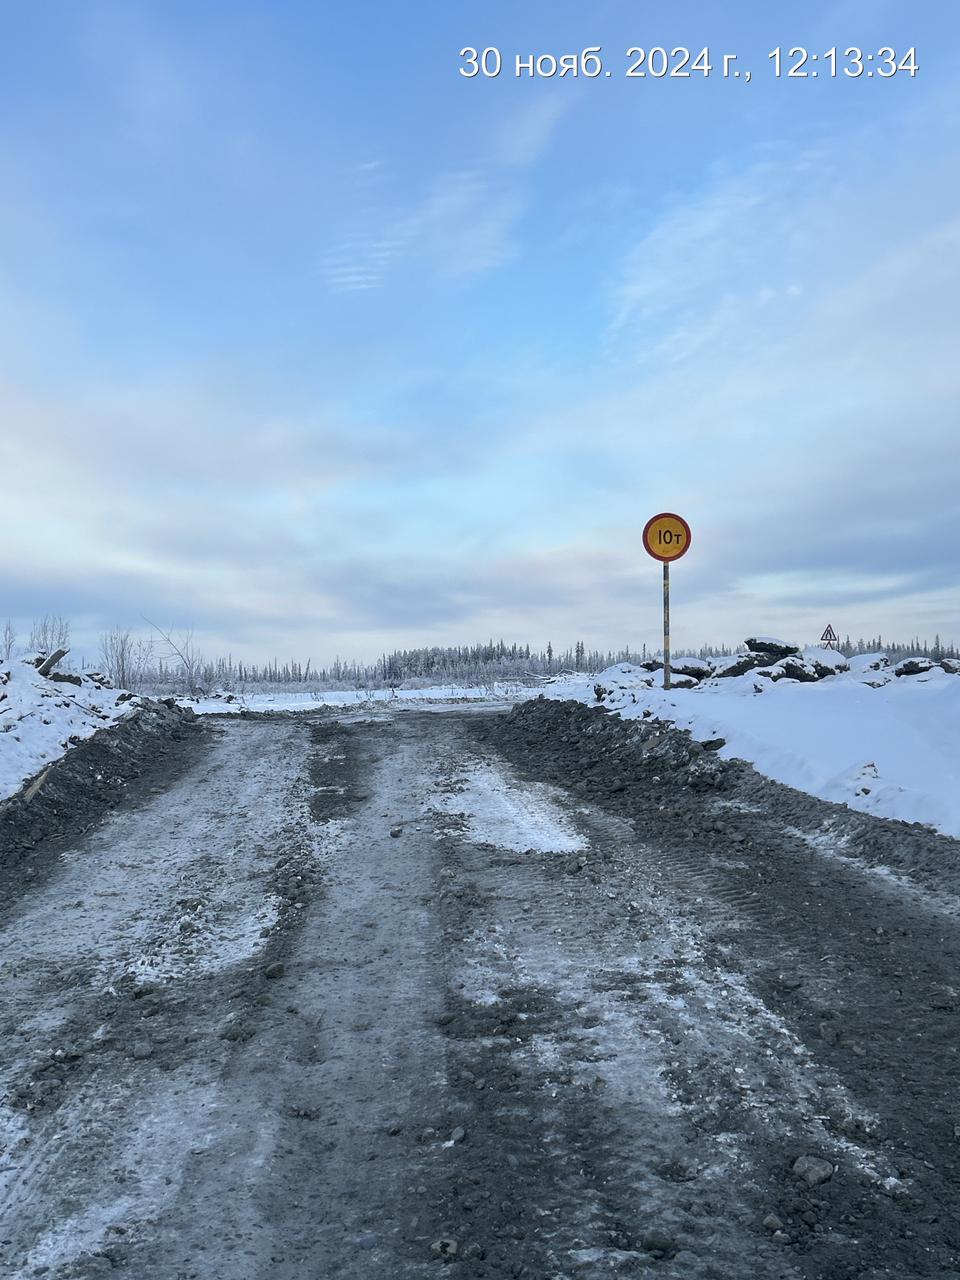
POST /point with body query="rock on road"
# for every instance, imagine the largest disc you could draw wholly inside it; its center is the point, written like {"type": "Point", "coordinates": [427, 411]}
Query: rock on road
{"type": "Point", "coordinates": [393, 995]}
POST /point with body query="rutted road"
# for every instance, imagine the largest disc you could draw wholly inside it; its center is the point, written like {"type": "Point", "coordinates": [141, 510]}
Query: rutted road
{"type": "Point", "coordinates": [362, 998]}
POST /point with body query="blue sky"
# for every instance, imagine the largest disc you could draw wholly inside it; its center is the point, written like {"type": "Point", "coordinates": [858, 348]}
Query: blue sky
{"type": "Point", "coordinates": [313, 346]}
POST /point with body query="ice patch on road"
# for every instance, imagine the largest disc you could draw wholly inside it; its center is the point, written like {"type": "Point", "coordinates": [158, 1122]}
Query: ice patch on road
{"type": "Point", "coordinates": [499, 812]}
{"type": "Point", "coordinates": [151, 1143]}
{"type": "Point", "coordinates": [177, 887]}
{"type": "Point", "coordinates": [82, 1234]}
{"type": "Point", "coordinates": [221, 934]}
{"type": "Point", "coordinates": [329, 833]}
{"type": "Point", "coordinates": [683, 1008]}
{"type": "Point", "coordinates": [777, 1078]}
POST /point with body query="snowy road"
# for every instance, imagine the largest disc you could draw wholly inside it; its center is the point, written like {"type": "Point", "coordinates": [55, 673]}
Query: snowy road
{"type": "Point", "coordinates": [363, 998]}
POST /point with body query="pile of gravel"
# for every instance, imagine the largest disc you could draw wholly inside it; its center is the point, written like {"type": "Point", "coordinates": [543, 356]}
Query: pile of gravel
{"type": "Point", "coordinates": [73, 792]}
{"type": "Point", "coordinates": [590, 750]}
{"type": "Point", "coordinates": [658, 775]}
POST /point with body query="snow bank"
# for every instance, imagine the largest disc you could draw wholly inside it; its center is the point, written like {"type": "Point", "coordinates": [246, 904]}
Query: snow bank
{"type": "Point", "coordinates": [885, 744]}
{"type": "Point", "coordinates": [41, 718]}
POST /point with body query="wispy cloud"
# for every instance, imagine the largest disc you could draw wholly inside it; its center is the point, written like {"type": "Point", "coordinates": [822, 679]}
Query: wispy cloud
{"type": "Point", "coordinates": [525, 135]}
{"type": "Point", "coordinates": [464, 225]}
{"type": "Point", "coordinates": [461, 223]}
{"type": "Point", "coordinates": [739, 251]}
{"type": "Point", "coordinates": [461, 226]}
{"type": "Point", "coordinates": [358, 259]}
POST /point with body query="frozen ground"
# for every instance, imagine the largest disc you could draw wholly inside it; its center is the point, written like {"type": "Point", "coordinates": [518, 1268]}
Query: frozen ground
{"type": "Point", "coordinates": [385, 993]}
{"type": "Point", "coordinates": [883, 744]}
{"type": "Point", "coordinates": [155, 902]}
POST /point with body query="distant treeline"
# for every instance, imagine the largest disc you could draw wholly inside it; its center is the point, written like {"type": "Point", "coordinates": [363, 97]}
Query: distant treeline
{"type": "Point", "coordinates": [477, 664]}
{"type": "Point", "coordinates": [454, 664]}
{"type": "Point", "coordinates": [168, 664]}
{"type": "Point", "coordinates": [915, 648]}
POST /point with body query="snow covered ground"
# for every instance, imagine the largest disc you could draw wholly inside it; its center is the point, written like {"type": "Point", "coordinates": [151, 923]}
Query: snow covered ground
{"type": "Point", "coordinates": [218, 704]}
{"type": "Point", "coordinates": [498, 812]}
{"type": "Point", "coordinates": [885, 744]}
{"type": "Point", "coordinates": [41, 718]}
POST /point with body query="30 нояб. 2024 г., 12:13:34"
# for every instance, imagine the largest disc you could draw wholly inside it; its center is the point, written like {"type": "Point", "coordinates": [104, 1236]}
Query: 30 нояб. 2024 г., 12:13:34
{"type": "Point", "coordinates": [680, 63]}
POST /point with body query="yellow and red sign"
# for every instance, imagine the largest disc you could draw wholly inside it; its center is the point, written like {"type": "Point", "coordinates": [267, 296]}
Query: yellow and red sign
{"type": "Point", "coordinates": [666, 537]}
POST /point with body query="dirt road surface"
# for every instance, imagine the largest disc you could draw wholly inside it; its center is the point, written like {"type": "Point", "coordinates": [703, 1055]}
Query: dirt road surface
{"type": "Point", "coordinates": [464, 994]}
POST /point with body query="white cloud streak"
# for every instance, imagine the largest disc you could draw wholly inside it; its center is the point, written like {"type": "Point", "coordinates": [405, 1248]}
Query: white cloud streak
{"type": "Point", "coordinates": [462, 223]}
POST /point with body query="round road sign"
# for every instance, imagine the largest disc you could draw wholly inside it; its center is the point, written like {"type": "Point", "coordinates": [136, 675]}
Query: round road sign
{"type": "Point", "coordinates": [666, 536]}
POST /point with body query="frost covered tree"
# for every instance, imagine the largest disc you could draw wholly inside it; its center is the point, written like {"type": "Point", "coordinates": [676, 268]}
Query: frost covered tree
{"type": "Point", "coordinates": [126, 660]}
{"type": "Point", "coordinates": [191, 663]}
{"type": "Point", "coordinates": [49, 633]}
{"type": "Point", "coordinates": [8, 641]}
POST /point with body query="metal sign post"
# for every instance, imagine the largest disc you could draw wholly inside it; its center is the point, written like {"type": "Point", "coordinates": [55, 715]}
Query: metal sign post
{"type": "Point", "coordinates": [666, 624]}
{"type": "Point", "coordinates": [666, 537]}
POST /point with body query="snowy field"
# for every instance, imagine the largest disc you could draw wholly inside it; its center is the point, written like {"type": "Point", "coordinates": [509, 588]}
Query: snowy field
{"type": "Point", "coordinates": [221, 704]}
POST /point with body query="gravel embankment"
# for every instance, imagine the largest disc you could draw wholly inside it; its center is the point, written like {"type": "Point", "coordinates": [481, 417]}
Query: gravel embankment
{"type": "Point", "coordinates": [93, 776]}
{"type": "Point", "coordinates": [652, 770]}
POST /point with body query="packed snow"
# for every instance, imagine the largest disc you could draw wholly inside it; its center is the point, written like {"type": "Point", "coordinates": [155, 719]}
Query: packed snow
{"type": "Point", "coordinates": [519, 818]}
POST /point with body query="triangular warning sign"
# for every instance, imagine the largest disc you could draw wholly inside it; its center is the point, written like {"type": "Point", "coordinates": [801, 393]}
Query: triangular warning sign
{"type": "Point", "coordinates": [829, 636]}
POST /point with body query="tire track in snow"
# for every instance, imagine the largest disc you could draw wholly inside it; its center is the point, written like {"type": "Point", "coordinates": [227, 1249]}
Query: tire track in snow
{"type": "Point", "coordinates": [169, 899]}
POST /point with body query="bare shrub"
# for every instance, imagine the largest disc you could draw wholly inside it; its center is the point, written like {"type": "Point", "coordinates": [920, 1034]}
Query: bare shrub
{"type": "Point", "coordinates": [190, 661]}
{"type": "Point", "coordinates": [127, 661]}
{"type": "Point", "coordinates": [49, 633]}
{"type": "Point", "coordinates": [8, 641]}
